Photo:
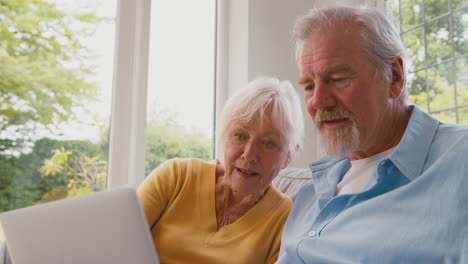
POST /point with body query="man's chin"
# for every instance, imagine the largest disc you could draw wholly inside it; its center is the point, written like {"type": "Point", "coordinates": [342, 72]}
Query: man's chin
{"type": "Point", "coordinates": [342, 145]}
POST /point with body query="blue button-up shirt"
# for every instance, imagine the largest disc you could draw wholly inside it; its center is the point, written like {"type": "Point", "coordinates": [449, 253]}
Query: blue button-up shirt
{"type": "Point", "coordinates": [414, 209]}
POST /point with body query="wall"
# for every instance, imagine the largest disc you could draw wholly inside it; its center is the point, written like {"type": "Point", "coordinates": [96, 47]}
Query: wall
{"type": "Point", "coordinates": [271, 51]}
{"type": "Point", "coordinates": [257, 42]}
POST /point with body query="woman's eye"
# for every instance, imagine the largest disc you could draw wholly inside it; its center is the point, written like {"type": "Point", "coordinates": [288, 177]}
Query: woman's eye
{"type": "Point", "coordinates": [270, 144]}
{"type": "Point", "coordinates": [239, 136]}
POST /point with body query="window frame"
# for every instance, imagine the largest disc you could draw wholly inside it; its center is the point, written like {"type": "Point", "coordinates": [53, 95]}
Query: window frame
{"type": "Point", "coordinates": [126, 163]}
{"type": "Point", "coordinates": [452, 60]}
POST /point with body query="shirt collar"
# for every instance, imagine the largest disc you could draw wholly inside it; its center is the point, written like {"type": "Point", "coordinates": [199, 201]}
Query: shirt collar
{"type": "Point", "coordinates": [326, 173]}
{"type": "Point", "coordinates": [408, 157]}
{"type": "Point", "coordinates": [411, 152]}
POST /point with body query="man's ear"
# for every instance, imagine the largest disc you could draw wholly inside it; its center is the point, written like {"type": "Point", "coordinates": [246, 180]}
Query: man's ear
{"type": "Point", "coordinates": [398, 78]}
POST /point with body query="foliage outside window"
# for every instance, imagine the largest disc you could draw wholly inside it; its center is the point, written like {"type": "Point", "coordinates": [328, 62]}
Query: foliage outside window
{"type": "Point", "coordinates": [46, 83]}
{"type": "Point", "coordinates": [435, 33]}
{"type": "Point", "coordinates": [48, 78]}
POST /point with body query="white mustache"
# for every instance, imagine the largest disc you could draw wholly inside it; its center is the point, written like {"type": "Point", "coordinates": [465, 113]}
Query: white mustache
{"type": "Point", "coordinates": [326, 115]}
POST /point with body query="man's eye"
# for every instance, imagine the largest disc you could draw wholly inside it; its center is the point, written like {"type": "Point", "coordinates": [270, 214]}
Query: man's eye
{"type": "Point", "coordinates": [309, 87]}
{"type": "Point", "coordinates": [341, 82]}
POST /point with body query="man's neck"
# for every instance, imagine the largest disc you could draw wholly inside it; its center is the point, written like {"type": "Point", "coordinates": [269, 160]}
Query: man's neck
{"type": "Point", "coordinates": [396, 124]}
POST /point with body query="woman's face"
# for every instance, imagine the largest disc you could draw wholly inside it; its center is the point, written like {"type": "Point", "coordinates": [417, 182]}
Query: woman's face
{"type": "Point", "coordinates": [254, 153]}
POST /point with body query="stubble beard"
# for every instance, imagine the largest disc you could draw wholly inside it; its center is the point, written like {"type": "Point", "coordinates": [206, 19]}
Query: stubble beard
{"type": "Point", "coordinates": [338, 142]}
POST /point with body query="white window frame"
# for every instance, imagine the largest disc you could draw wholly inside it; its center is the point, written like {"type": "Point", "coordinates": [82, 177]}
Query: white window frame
{"type": "Point", "coordinates": [126, 163]}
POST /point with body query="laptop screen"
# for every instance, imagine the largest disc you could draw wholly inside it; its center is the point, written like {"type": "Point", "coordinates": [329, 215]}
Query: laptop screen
{"type": "Point", "coordinates": [103, 227]}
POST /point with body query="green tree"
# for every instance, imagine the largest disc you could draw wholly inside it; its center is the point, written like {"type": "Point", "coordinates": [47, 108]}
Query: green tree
{"type": "Point", "coordinates": [433, 88]}
{"type": "Point", "coordinates": [84, 174]}
{"type": "Point", "coordinates": [7, 167]}
{"type": "Point", "coordinates": [42, 68]}
{"type": "Point", "coordinates": [166, 139]}
{"type": "Point", "coordinates": [87, 172]}
{"type": "Point", "coordinates": [21, 183]}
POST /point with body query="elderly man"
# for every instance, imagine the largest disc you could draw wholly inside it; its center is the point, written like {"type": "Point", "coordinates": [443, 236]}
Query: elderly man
{"type": "Point", "coordinates": [394, 188]}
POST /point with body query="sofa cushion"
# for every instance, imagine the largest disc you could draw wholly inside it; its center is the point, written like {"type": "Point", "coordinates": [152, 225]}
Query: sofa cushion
{"type": "Point", "coordinates": [291, 180]}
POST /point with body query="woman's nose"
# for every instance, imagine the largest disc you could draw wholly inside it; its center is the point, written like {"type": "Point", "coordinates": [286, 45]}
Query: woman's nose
{"type": "Point", "coordinates": [250, 151]}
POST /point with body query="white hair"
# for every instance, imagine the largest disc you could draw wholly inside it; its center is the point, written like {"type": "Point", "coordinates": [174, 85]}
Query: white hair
{"type": "Point", "coordinates": [281, 101]}
{"type": "Point", "coordinates": [379, 32]}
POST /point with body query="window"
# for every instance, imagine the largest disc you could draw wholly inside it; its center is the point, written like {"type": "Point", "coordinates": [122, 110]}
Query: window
{"type": "Point", "coordinates": [435, 33]}
{"type": "Point", "coordinates": [60, 87]}
{"type": "Point", "coordinates": [180, 81]}
{"type": "Point", "coordinates": [56, 61]}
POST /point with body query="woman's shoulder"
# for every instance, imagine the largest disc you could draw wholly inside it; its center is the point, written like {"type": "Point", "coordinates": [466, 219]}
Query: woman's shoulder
{"type": "Point", "coordinates": [186, 164]}
{"type": "Point", "coordinates": [283, 198]}
{"type": "Point", "coordinates": [186, 161]}
{"type": "Point", "coordinates": [278, 200]}
{"type": "Point", "coordinates": [177, 174]}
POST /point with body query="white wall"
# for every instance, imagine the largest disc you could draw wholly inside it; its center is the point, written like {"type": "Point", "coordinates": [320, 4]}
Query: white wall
{"type": "Point", "coordinates": [258, 43]}
{"type": "Point", "coordinates": [271, 52]}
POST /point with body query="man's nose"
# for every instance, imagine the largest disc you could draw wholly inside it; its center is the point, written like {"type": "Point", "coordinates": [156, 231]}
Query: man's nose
{"type": "Point", "coordinates": [321, 98]}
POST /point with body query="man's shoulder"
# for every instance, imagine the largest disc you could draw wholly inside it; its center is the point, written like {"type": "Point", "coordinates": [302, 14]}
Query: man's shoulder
{"type": "Point", "coordinates": [327, 162]}
{"type": "Point", "coordinates": [460, 129]}
{"type": "Point", "coordinates": [449, 150]}
{"type": "Point", "coordinates": [452, 135]}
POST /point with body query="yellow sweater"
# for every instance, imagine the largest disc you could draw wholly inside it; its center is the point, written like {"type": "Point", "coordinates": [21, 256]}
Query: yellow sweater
{"type": "Point", "coordinates": [179, 202]}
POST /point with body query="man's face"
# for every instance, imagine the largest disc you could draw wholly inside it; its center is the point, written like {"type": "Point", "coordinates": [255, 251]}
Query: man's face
{"type": "Point", "coordinates": [344, 95]}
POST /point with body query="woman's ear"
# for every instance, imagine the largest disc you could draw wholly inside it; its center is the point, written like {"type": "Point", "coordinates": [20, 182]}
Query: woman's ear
{"type": "Point", "coordinates": [219, 170]}
{"type": "Point", "coordinates": [398, 78]}
{"type": "Point", "coordinates": [287, 161]}
{"type": "Point", "coordinates": [288, 158]}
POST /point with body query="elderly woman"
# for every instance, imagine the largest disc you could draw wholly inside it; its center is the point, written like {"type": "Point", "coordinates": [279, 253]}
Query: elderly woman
{"type": "Point", "coordinates": [228, 211]}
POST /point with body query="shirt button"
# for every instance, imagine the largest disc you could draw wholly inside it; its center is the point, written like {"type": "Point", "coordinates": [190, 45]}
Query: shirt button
{"type": "Point", "coordinates": [312, 233]}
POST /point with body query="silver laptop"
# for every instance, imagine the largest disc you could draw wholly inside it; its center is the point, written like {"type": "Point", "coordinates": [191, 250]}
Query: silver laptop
{"type": "Point", "coordinates": [103, 227]}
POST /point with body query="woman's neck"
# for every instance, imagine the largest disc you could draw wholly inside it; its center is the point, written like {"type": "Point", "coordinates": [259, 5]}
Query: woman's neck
{"type": "Point", "coordinates": [231, 204]}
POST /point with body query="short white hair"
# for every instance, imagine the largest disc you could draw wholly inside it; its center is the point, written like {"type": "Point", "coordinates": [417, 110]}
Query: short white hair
{"type": "Point", "coordinates": [263, 94]}
{"type": "Point", "coordinates": [380, 34]}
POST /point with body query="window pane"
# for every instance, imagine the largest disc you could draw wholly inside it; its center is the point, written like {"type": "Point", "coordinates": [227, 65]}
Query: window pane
{"type": "Point", "coordinates": [441, 87]}
{"type": "Point", "coordinates": [459, 3]}
{"type": "Point", "coordinates": [460, 32]}
{"type": "Point", "coordinates": [438, 41]}
{"type": "Point", "coordinates": [435, 8]}
{"type": "Point", "coordinates": [55, 85]}
{"type": "Point", "coordinates": [463, 115]}
{"type": "Point", "coordinates": [411, 12]}
{"type": "Point", "coordinates": [442, 45]}
{"type": "Point", "coordinates": [462, 80]}
{"type": "Point", "coordinates": [414, 43]}
{"type": "Point", "coordinates": [416, 83]}
{"type": "Point", "coordinates": [394, 7]}
{"type": "Point", "coordinates": [181, 81]}
{"type": "Point", "coordinates": [446, 117]}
